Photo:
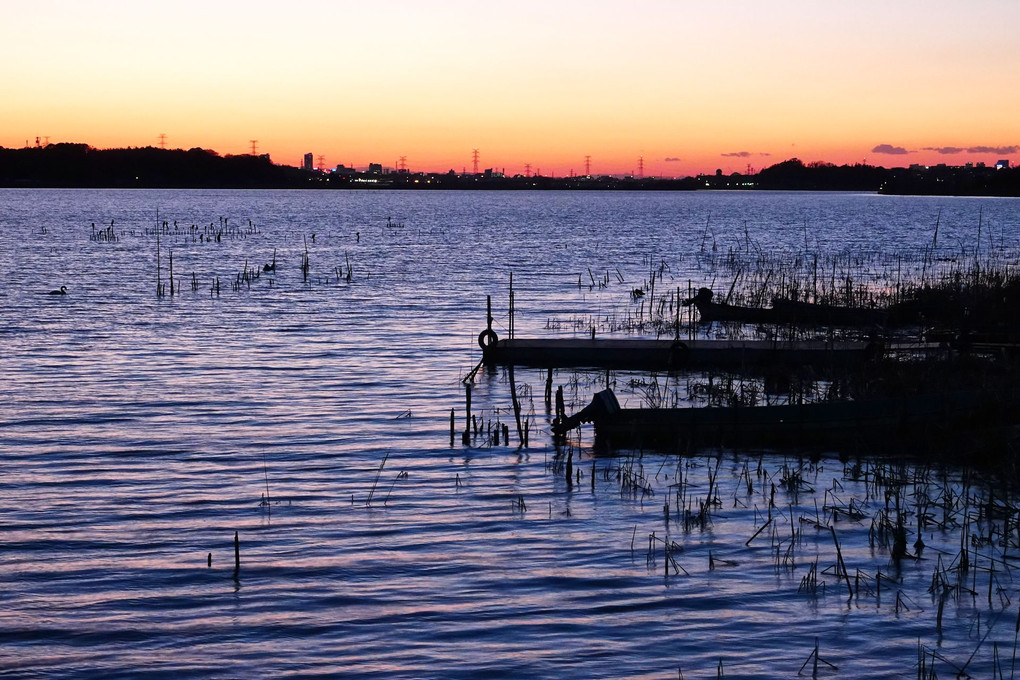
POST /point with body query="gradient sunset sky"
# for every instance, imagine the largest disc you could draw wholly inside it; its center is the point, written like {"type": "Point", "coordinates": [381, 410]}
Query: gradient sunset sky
{"type": "Point", "coordinates": [688, 86]}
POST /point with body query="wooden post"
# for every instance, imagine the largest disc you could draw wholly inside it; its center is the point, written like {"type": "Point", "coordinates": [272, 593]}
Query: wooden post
{"type": "Point", "coordinates": [510, 332]}
{"type": "Point", "coordinates": [237, 555]}
{"type": "Point", "coordinates": [548, 391]}
{"type": "Point", "coordinates": [676, 336]}
{"type": "Point", "coordinates": [452, 427]}
{"type": "Point", "coordinates": [569, 476]}
{"type": "Point", "coordinates": [517, 406]}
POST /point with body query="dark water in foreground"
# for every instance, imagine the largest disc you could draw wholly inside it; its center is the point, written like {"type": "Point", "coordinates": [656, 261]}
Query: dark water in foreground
{"type": "Point", "coordinates": [137, 433]}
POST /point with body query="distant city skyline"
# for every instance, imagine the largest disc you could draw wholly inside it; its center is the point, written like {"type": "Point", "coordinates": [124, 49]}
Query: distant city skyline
{"type": "Point", "coordinates": [667, 88]}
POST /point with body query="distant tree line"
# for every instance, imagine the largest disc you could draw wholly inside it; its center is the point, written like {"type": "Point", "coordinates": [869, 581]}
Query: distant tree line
{"type": "Point", "coordinates": [80, 165]}
{"type": "Point", "coordinates": [941, 180]}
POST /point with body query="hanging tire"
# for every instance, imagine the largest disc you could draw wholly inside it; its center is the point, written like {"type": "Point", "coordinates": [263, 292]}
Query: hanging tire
{"type": "Point", "coordinates": [487, 339]}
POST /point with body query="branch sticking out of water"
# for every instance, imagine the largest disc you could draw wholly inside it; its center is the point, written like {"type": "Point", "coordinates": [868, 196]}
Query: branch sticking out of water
{"type": "Point", "coordinates": [376, 483]}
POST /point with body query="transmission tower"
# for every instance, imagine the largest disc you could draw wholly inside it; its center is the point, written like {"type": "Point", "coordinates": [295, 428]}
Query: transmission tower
{"type": "Point", "coordinates": [322, 161]}
{"type": "Point", "coordinates": [527, 169]}
{"type": "Point", "coordinates": [402, 164]}
{"type": "Point", "coordinates": [162, 140]}
{"type": "Point", "coordinates": [640, 167]}
{"type": "Point", "coordinates": [253, 143]}
{"type": "Point", "coordinates": [587, 165]}
{"type": "Point", "coordinates": [474, 160]}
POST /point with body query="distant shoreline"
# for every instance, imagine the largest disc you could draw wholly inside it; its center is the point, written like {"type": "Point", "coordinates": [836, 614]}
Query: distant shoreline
{"type": "Point", "coordinates": [79, 166]}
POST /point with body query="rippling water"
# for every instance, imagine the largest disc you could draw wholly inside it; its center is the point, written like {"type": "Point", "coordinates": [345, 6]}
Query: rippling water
{"type": "Point", "coordinates": [139, 432]}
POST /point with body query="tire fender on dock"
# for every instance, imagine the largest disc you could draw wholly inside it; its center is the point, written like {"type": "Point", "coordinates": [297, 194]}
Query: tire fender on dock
{"type": "Point", "coordinates": [487, 339]}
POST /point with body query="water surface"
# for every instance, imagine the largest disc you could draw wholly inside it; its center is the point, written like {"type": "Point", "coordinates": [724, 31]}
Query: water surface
{"type": "Point", "coordinates": [311, 415]}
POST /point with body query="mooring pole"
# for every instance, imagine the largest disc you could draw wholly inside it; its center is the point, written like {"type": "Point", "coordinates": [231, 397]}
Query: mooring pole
{"type": "Point", "coordinates": [510, 333]}
{"type": "Point", "coordinates": [677, 335]}
{"type": "Point", "coordinates": [548, 390]}
{"type": "Point", "coordinates": [467, 412]}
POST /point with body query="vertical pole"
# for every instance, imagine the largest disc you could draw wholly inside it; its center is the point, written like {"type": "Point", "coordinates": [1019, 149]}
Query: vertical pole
{"type": "Point", "coordinates": [690, 311]}
{"type": "Point", "coordinates": [467, 412]}
{"type": "Point", "coordinates": [517, 405]}
{"type": "Point", "coordinates": [237, 555]}
{"type": "Point", "coordinates": [510, 333]}
{"type": "Point", "coordinates": [677, 335]}
{"type": "Point", "coordinates": [558, 418]}
{"type": "Point", "coordinates": [548, 390]}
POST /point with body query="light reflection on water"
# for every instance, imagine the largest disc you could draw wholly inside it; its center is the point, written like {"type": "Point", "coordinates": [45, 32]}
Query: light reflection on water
{"type": "Point", "coordinates": [138, 433]}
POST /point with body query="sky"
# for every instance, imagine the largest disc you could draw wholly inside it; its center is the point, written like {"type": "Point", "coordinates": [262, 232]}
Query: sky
{"type": "Point", "coordinates": [655, 87]}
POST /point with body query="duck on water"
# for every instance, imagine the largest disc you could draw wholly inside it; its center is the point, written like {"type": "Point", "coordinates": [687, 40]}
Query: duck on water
{"type": "Point", "coordinates": [62, 291]}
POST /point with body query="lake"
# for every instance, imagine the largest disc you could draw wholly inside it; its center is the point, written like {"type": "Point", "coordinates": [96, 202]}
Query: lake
{"type": "Point", "coordinates": [307, 408]}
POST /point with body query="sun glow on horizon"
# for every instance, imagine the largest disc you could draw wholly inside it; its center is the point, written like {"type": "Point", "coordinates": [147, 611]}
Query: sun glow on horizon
{"type": "Point", "coordinates": [544, 85]}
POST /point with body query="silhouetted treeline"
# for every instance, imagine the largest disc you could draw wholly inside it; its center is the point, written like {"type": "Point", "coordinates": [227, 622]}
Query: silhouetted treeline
{"type": "Point", "coordinates": [793, 174]}
{"type": "Point", "coordinates": [943, 180]}
{"type": "Point", "coordinates": [79, 165]}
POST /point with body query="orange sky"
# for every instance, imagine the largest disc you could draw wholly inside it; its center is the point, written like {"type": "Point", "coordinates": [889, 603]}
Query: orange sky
{"type": "Point", "coordinates": [688, 86]}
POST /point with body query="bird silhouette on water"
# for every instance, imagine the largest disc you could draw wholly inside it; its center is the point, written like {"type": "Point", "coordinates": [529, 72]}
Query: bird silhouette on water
{"type": "Point", "coordinates": [62, 291]}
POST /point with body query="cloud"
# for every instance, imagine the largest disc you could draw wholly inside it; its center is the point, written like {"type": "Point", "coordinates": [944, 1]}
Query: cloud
{"type": "Point", "coordinates": [744, 154]}
{"type": "Point", "coordinates": [890, 149]}
{"type": "Point", "coordinates": [1001, 150]}
{"type": "Point", "coordinates": [672, 159]}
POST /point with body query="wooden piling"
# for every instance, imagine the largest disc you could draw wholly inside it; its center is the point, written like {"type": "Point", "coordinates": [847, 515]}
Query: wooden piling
{"type": "Point", "coordinates": [510, 330]}
{"type": "Point", "coordinates": [548, 390]}
{"type": "Point", "coordinates": [517, 407]}
{"type": "Point", "coordinates": [237, 555]}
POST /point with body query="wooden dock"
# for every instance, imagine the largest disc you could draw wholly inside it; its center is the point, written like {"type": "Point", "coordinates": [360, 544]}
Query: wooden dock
{"type": "Point", "coordinates": [926, 421]}
{"type": "Point", "coordinates": [676, 355]}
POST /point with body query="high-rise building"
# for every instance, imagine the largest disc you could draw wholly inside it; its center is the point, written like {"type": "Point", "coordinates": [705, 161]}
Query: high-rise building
{"type": "Point", "coordinates": [307, 165]}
